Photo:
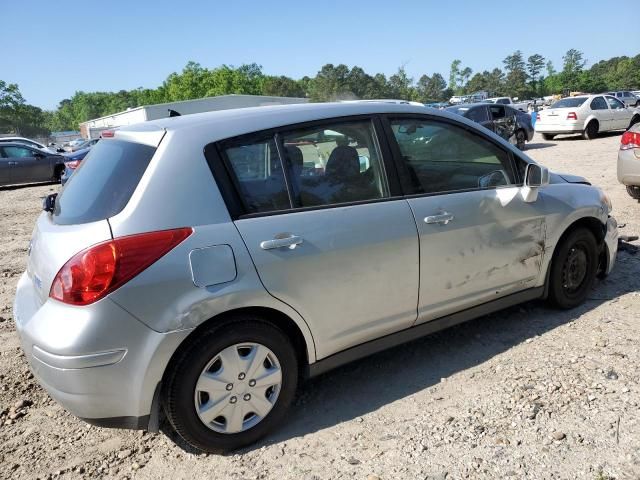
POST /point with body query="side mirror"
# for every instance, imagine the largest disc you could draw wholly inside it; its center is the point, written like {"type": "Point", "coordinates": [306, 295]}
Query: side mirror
{"type": "Point", "coordinates": [536, 176]}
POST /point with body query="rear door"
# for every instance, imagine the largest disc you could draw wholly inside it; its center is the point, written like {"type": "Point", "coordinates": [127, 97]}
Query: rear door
{"type": "Point", "coordinates": [5, 168]}
{"type": "Point", "coordinates": [479, 240]}
{"type": "Point", "coordinates": [620, 115]}
{"type": "Point", "coordinates": [600, 109]}
{"type": "Point", "coordinates": [480, 114]}
{"type": "Point", "coordinates": [502, 123]}
{"type": "Point", "coordinates": [332, 242]}
{"type": "Point", "coordinates": [25, 166]}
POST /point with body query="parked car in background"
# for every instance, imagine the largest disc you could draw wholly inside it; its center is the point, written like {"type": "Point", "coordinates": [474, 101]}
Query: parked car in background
{"type": "Point", "coordinates": [628, 98]}
{"type": "Point", "coordinates": [31, 143]}
{"type": "Point", "coordinates": [20, 163]}
{"type": "Point", "coordinates": [522, 106]}
{"type": "Point", "coordinates": [71, 162]}
{"type": "Point", "coordinates": [81, 144]}
{"type": "Point", "coordinates": [189, 264]}
{"type": "Point", "coordinates": [629, 161]}
{"type": "Point", "coordinates": [586, 114]}
{"type": "Point", "coordinates": [511, 124]}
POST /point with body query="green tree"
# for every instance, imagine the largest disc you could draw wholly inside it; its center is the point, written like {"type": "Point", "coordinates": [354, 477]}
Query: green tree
{"type": "Point", "coordinates": [516, 79]}
{"type": "Point", "coordinates": [454, 74]}
{"type": "Point", "coordinates": [282, 86]}
{"type": "Point", "coordinates": [573, 63]}
{"type": "Point", "coordinates": [535, 64]}
{"type": "Point", "coordinates": [401, 85]}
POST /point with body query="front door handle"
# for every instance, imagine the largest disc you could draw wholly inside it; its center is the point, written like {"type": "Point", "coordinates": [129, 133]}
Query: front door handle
{"type": "Point", "coordinates": [289, 241]}
{"type": "Point", "coordinates": [442, 218]}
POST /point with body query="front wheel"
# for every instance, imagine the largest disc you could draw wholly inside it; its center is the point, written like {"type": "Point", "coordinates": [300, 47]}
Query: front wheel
{"type": "Point", "coordinates": [232, 385]}
{"type": "Point", "coordinates": [634, 191]}
{"type": "Point", "coordinates": [573, 269]}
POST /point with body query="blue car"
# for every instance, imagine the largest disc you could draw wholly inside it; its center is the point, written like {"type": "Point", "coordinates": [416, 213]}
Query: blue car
{"type": "Point", "coordinates": [71, 162]}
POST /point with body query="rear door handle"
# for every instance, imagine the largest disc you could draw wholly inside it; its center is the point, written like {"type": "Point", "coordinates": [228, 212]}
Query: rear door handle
{"type": "Point", "coordinates": [290, 241]}
{"type": "Point", "coordinates": [442, 218]}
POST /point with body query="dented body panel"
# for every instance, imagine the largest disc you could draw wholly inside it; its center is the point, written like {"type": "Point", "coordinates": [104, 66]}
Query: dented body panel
{"type": "Point", "coordinates": [493, 246]}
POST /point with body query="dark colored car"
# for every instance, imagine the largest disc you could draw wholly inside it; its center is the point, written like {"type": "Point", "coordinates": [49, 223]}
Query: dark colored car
{"type": "Point", "coordinates": [21, 163]}
{"type": "Point", "coordinates": [71, 162]}
{"type": "Point", "coordinates": [511, 124]}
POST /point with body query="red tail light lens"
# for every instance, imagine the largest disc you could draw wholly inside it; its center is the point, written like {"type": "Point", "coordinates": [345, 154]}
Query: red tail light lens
{"type": "Point", "coordinates": [73, 164]}
{"type": "Point", "coordinates": [107, 134]}
{"type": "Point", "coordinates": [630, 140]}
{"type": "Point", "coordinates": [102, 268]}
{"type": "Point", "coordinates": [572, 116]}
{"type": "Point", "coordinates": [537, 117]}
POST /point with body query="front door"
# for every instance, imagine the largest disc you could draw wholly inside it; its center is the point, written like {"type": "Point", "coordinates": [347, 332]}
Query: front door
{"type": "Point", "coordinates": [479, 240]}
{"type": "Point", "coordinates": [327, 238]}
{"type": "Point", "coordinates": [26, 166]}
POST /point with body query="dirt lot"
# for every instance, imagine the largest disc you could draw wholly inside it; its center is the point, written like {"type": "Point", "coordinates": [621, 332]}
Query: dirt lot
{"type": "Point", "coordinates": [527, 393]}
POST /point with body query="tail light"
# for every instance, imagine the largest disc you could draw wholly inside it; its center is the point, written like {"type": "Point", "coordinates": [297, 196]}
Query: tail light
{"type": "Point", "coordinates": [630, 140]}
{"type": "Point", "coordinates": [537, 117]}
{"type": "Point", "coordinates": [107, 134]}
{"type": "Point", "coordinates": [99, 270]}
{"type": "Point", "coordinates": [572, 116]}
{"type": "Point", "coordinates": [73, 164]}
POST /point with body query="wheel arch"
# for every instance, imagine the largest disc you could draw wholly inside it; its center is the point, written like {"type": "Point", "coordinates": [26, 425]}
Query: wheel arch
{"type": "Point", "coordinates": [595, 226]}
{"type": "Point", "coordinates": [284, 322]}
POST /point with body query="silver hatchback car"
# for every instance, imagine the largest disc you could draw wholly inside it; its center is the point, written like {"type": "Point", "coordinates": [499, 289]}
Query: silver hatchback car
{"type": "Point", "coordinates": [201, 266]}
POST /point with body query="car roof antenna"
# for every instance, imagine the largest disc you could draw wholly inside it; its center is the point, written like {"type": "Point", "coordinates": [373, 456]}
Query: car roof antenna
{"type": "Point", "coordinates": [173, 113]}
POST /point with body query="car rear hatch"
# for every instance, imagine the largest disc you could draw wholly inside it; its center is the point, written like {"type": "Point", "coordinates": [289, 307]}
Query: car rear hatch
{"type": "Point", "coordinates": [99, 189]}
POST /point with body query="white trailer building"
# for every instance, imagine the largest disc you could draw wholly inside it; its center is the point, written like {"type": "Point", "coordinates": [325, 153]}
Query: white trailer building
{"type": "Point", "coordinates": [93, 128]}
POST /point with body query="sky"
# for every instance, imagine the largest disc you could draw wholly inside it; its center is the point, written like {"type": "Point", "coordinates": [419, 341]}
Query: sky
{"type": "Point", "coordinates": [52, 49]}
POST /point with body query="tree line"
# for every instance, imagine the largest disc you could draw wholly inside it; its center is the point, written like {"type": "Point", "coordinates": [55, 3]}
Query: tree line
{"type": "Point", "coordinates": [519, 76]}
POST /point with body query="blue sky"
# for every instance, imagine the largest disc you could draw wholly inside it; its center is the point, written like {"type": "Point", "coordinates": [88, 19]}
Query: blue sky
{"type": "Point", "coordinates": [51, 49]}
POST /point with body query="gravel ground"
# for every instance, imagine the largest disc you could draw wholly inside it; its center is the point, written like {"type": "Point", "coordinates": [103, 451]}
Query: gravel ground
{"type": "Point", "coordinates": [530, 392]}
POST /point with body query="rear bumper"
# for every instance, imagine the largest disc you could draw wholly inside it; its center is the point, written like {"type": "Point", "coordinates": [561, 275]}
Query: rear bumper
{"type": "Point", "coordinates": [97, 361]}
{"type": "Point", "coordinates": [629, 167]}
{"type": "Point", "coordinates": [558, 129]}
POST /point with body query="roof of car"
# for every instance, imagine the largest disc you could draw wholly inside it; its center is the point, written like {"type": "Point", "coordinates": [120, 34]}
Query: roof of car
{"type": "Point", "coordinates": [261, 118]}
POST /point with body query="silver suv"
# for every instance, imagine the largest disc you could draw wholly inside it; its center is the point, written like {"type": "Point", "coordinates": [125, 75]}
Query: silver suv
{"type": "Point", "coordinates": [203, 265]}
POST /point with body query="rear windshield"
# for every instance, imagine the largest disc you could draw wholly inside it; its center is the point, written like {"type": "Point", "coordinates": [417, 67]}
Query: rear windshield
{"type": "Point", "coordinates": [103, 183]}
{"type": "Point", "coordinates": [569, 102]}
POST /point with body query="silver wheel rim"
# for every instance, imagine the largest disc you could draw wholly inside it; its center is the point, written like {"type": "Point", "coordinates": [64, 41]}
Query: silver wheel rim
{"type": "Point", "coordinates": [238, 388]}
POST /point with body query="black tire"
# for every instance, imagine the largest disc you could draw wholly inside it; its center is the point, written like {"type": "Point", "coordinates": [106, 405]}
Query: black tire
{"type": "Point", "coordinates": [634, 191]}
{"type": "Point", "coordinates": [591, 131]}
{"type": "Point", "coordinates": [521, 139]}
{"type": "Point", "coordinates": [57, 173]}
{"type": "Point", "coordinates": [548, 136]}
{"type": "Point", "coordinates": [180, 382]}
{"type": "Point", "coordinates": [573, 269]}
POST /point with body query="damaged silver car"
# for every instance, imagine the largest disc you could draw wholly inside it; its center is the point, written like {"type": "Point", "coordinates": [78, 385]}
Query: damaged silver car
{"type": "Point", "coordinates": [202, 265]}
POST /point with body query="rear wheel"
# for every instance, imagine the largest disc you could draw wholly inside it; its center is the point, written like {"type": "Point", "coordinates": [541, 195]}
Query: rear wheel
{"type": "Point", "coordinates": [521, 139]}
{"type": "Point", "coordinates": [57, 173]}
{"type": "Point", "coordinates": [634, 191]}
{"type": "Point", "coordinates": [591, 131]}
{"type": "Point", "coordinates": [573, 269]}
{"type": "Point", "coordinates": [634, 120]}
{"type": "Point", "coordinates": [232, 385]}
{"type": "Point", "coordinates": [548, 136]}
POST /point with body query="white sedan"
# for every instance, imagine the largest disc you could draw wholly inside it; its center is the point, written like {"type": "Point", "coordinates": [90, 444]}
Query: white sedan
{"type": "Point", "coordinates": [587, 114]}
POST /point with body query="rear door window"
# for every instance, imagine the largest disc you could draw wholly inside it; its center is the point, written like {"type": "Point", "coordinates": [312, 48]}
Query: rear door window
{"type": "Point", "coordinates": [257, 174]}
{"type": "Point", "coordinates": [478, 114]}
{"type": "Point", "coordinates": [497, 112]}
{"type": "Point", "coordinates": [103, 183]}
{"type": "Point", "coordinates": [598, 103]}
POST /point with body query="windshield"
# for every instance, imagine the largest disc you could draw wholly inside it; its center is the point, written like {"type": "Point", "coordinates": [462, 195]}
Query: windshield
{"type": "Point", "coordinates": [103, 183]}
{"type": "Point", "coordinates": [574, 102]}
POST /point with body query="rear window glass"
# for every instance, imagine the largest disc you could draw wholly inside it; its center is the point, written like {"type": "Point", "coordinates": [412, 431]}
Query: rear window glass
{"type": "Point", "coordinates": [103, 183]}
{"type": "Point", "coordinates": [569, 102]}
